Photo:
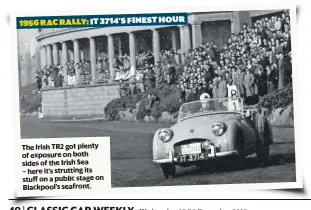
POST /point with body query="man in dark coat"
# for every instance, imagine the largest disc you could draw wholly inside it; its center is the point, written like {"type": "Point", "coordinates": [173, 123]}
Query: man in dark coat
{"type": "Point", "coordinates": [172, 71]}
{"type": "Point", "coordinates": [271, 79]}
{"type": "Point", "coordinates": [39, 82]}
{"type": "Point", "coordinates": [286, 47]}
{"type": "Point", "coordinates": [193, 95]}
{"type": "Point", "coordinates": [287, 65]}
{"type": "Point", "coordinates": [260, 80]}
{"type": "Point", "coordinates": [209, 74]}
{"type": "Point", "coordinates": [212, 52]}
{"type": "Point", "coordinates": [150, 58]}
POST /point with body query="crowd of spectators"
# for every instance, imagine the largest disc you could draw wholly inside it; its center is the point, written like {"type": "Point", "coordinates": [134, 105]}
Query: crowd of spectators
{"type": "Point", "coordinates": [102, 67]}
{"type": "Point", "coordinates": [257, 61]}
{"type": "Point", "coordinates": [149, 74]}
{"type": "Point", "coordinates": [53, 76]}
{"type": "Point", "coordinates": [49, 76]}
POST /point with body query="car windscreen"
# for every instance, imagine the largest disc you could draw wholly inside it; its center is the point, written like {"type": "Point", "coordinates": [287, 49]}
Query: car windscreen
{"type": "Point", "coordinates": [210, 106]}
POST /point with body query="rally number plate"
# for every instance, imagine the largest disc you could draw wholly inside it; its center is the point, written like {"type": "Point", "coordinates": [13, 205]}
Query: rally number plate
{"type": "Point", "coordinates": [193, 148]}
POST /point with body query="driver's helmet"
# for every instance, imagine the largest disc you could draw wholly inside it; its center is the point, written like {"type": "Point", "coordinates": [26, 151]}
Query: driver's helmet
{"type": "Point", "coordinates": [204, 96]}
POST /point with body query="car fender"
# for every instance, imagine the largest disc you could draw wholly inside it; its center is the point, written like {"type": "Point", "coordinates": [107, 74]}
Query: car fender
{"type": "Point", "coordinates": [159, 148]}
{"type": "Point", "coordinates": [155, 145]}
{"type": "Point", "coordinates": [232, 131]}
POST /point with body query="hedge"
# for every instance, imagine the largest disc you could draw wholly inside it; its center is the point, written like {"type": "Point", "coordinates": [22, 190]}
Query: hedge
{"type": "Point", "coordinates": [169, 100]}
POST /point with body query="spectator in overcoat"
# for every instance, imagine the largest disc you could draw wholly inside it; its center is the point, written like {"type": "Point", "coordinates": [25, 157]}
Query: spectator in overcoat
{"type": "Point", "coordinates": [222, 91]}
{"type": "Point", "coordinates": [249, 84]}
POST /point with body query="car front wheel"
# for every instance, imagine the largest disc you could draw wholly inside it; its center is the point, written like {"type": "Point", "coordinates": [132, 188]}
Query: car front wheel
{"type": "Point", "coordinates": [169, 170]}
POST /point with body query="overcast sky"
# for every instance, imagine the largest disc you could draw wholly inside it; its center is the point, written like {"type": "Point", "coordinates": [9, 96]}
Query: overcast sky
{"type": "Point", "coordinates": [27, 40]}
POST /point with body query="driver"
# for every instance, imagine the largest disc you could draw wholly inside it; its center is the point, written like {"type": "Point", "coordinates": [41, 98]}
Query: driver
{"type": "Point", "coordinates": [207, 105]}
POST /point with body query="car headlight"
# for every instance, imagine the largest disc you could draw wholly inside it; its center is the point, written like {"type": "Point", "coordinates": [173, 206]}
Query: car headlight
{"type": "Point", "coordinates": [165, 135]}
{"type": "Point", "coordinates": [219, 129]}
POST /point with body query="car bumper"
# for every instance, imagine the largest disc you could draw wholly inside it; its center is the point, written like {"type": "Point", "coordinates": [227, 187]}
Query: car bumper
{"type": "Point", "coordinates": [172, 159]}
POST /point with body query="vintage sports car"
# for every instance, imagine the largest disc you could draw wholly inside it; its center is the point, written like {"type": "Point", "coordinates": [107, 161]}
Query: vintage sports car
{"type": "Point", "coordinates": [211, 129]}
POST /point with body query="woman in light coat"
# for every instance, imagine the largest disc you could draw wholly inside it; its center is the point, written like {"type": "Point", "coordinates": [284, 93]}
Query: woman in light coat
{"type": "Point", "coordinates": [215, 90]}
{"type": "Point", "coordinates": [249, 84]}
{"type": "Point", "coordinates": [222, 91]}
{"type": "Point", "coordinates": [238, 81]}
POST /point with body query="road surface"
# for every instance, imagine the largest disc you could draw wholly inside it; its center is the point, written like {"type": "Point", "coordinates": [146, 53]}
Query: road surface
{"type": "Point", "coordinates": [131, 155]}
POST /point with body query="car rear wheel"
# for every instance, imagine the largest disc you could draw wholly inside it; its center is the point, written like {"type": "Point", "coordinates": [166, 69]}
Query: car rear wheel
{"type": "Point", "coordinates": [263, 155]}
{"type": "Point", "coordinates": [169, 170]}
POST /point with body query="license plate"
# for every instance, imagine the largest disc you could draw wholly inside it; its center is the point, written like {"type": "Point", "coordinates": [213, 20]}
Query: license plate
{"type": "Point", "coordinates": [192, 157]}
{"type": "Point", "coordinates": [193, 148]}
